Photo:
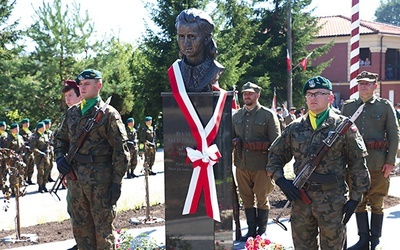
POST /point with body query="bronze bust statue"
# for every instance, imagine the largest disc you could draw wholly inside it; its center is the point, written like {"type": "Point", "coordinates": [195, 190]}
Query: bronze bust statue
{"type": "Point", "coordinates": [198, 51]}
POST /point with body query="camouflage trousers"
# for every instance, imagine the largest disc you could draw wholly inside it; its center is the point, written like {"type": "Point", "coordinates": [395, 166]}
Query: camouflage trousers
{"type": "Point", "coordinates": [375, 195]}
{"type": "Point", "coordinates": [322, 217]}
{"type": "Point", "coordinates": [29, 160]}
{"type": "Point", "coordinates": [91, 216]}
{"type": "Point", "coordinates": [149, 155]}
{"type": "Point", "coordinates": [134, 159]}
{"type": "Point", "coordinates": [43, 167]}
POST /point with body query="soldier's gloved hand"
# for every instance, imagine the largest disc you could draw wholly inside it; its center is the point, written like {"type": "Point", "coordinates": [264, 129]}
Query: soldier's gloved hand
{"type": "Point", "coordinates": [348, 210]}
{"type": "Point", "coordinates": [114, 192]}
{"type": "Point", "coordinates": [291, 192]}
{"type": "Point", "coordinates": [62, 165]}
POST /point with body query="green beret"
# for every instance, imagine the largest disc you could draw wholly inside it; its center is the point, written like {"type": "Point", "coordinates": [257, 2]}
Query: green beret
{"type": "Point", "coordinates": [25, 120]}
{"type": "Point", "coordinates": [148, 118]}
{"type": "Point", "coordinates": [130, 119]}
{"type": "Point", "coordinates": [46, 121]}
{"type": "Point", "coordinates": [3, 124]}
{"type": "Point", "coordinates": [317, 82]}
{"type": "Point", "coordinates": [40, 125]}
{"type": "Point", "coordinates": [88, 74]}
{"type": "Point", "coordinates": [251, 87]}
{"type": "Point", "coordinates": [367, 76]}
{"type": "Point", "coordinates": [14, 125]}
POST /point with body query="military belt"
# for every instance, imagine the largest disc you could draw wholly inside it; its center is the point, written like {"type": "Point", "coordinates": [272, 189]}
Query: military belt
{"type": "Point", "coordinates": [323, 178]}
{"type": "Point", "coordinates": [92, 158]}
{"type": "Point", "coordinates": [318, 187]}
{"type": "Point", "coordinates": [257, 145]}
{"type": "Point", "coordinates": [377, 145]}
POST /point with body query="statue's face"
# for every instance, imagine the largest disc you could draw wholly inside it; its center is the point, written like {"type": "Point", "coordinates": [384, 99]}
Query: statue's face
{"type": "Point", "coordinates": [191, 42]}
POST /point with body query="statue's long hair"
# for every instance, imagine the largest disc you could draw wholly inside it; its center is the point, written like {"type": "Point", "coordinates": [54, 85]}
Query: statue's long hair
{"type": "Point", "coordinates": [206, 25]}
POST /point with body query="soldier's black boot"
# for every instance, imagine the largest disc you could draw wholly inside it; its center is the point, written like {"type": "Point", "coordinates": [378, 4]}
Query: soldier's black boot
{"type": "Point", "coordinates": [376, 229]}
{"type": "Point", "coordinates": [44, 188]}
{"type": "Point", "coordinates": [40, 190]}
{"type": "Point", "coordinates": [128, 174]}
{"type": "Point", "coordinates": [49, 179]}
{"type": "Point", "coordinates": [251, 223]}
{"type": "Point", "coordinates": [262, 220]}
{"type": "Point", "coordinates": [29, 181]}
{"type": "Point", "coordinates": [363, 232]}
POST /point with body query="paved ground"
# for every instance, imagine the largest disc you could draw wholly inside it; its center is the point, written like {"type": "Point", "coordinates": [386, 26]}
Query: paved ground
{"type": "Point", "coordinates": [56, 210]}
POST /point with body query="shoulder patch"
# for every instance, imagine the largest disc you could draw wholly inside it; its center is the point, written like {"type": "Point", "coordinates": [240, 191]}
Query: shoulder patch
{"type": "Point", "coordinates": [349, 101]}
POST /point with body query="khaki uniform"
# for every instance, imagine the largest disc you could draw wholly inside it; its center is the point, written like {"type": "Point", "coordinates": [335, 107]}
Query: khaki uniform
{"type": "Point", "coordinates": [28, 157]}
{"type": "Point", "coordinates": [256, 129]}
{"type": "Point", "coordinates": [324, 215]}
{"type": "Point", "coordinates": [147, 136]}
{"type": "Point", "coordinates": [107, 152]}
{"type": "Point", "coordinates": [379, 128]}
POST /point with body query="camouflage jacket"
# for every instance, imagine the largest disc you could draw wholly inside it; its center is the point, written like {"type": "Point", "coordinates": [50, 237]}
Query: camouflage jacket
{"type": "Point", "coordinates": [132, 137]}
{"type": "Point", "coordinates": [15, 143]}
{"type": "Point", "coordinates": [299, 141]}
{"type": "Point", "coordinates": [107, 138]}
{"type": "Point", "coordinates": [147, 135]}
{"type": "Point", "coordinates": [258, 125]}
{"type": "Point", "coordinates": [26, 135]}
{"type": "Point", "coordinates": [376, 123]}
{"type": "Point", "coordinates": [39, 143]}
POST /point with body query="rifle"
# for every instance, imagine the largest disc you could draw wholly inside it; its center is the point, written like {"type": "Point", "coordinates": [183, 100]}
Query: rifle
{"type": "Point", "coordinates": [77, 145]}
{"type": "Point", "coordinates": [314, 160]}
{"type": "Point", "coordinates": [236, 215]}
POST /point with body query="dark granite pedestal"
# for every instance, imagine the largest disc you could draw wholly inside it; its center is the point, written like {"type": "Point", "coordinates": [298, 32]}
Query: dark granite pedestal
{"type": "Point", "coordinates": [196, 231]}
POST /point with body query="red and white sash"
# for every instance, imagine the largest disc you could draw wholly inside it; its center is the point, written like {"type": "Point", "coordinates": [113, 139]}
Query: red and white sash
{"type": "Point", "coordinates": [204, 159]}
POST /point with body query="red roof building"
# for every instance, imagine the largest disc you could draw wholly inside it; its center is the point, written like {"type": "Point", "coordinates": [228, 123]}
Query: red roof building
{"type": "Point", "coordinates": [379, 53]}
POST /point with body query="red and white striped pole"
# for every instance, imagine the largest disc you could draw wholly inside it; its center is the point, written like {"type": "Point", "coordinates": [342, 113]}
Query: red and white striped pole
{"type": "Point", "coordinates": [355, 48]}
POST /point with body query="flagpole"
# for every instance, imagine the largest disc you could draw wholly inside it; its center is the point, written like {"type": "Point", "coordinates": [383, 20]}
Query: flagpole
{"type": "Point", "coordinates": [289, 47]}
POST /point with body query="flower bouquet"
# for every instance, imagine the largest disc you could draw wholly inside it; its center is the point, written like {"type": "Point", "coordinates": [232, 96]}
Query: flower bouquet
{"type": "Point", "coordinates": [260, 243]}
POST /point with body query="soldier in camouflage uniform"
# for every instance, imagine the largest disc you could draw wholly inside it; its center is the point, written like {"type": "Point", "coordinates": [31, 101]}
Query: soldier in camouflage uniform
{"type": "Point", "coordinates": [379, 128]}
{"type": "Point", "coordinates": [3, 136]}
{"type": "Point", "coordinates": [40, 147]}
{"type": "Point", "coordinates": [28, 157]}
{"type": "Point", "coordinates": [99, 165]}
{"type": "Point", "coordinates": [49, 133]}
{"type": "Point", "coordinates": [14, 142]}
{"type": "Point", "coordinates": [148, 137]}
{"type": "Point", "coordinates": [133, 147]}
{"type": "Point", "coordinates": [3, 133]}
{"type": "Point", "coordinates": [254, 128]}
{"type": "Point", "coordinates": [329, 209]}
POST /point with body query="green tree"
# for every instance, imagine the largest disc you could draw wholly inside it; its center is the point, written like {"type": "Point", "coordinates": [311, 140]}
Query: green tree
{"type": "Point", "coordinates": [234, 40]}
{"type": "Point", "coordinates": [61, 35]}
{"type": "Point", "coordinates": [388, 12]}
{"type": "Point", "coordinates": [268, 67]}
{"type": "Point", "coordinates": [117, 75]}
{"type": "Point", "coordinates": [9, 50]}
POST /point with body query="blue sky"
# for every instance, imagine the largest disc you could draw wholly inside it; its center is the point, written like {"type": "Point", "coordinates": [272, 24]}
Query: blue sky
{"type": "Point", "coordinates": [125, 18]}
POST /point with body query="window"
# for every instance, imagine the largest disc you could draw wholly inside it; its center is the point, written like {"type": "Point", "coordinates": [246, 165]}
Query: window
{"type": "Point", "coordinates": [365, 57]}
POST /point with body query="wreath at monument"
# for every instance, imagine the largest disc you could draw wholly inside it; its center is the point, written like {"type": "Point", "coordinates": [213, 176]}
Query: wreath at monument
{"type": "Point", "coordinates": [260, 243]}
